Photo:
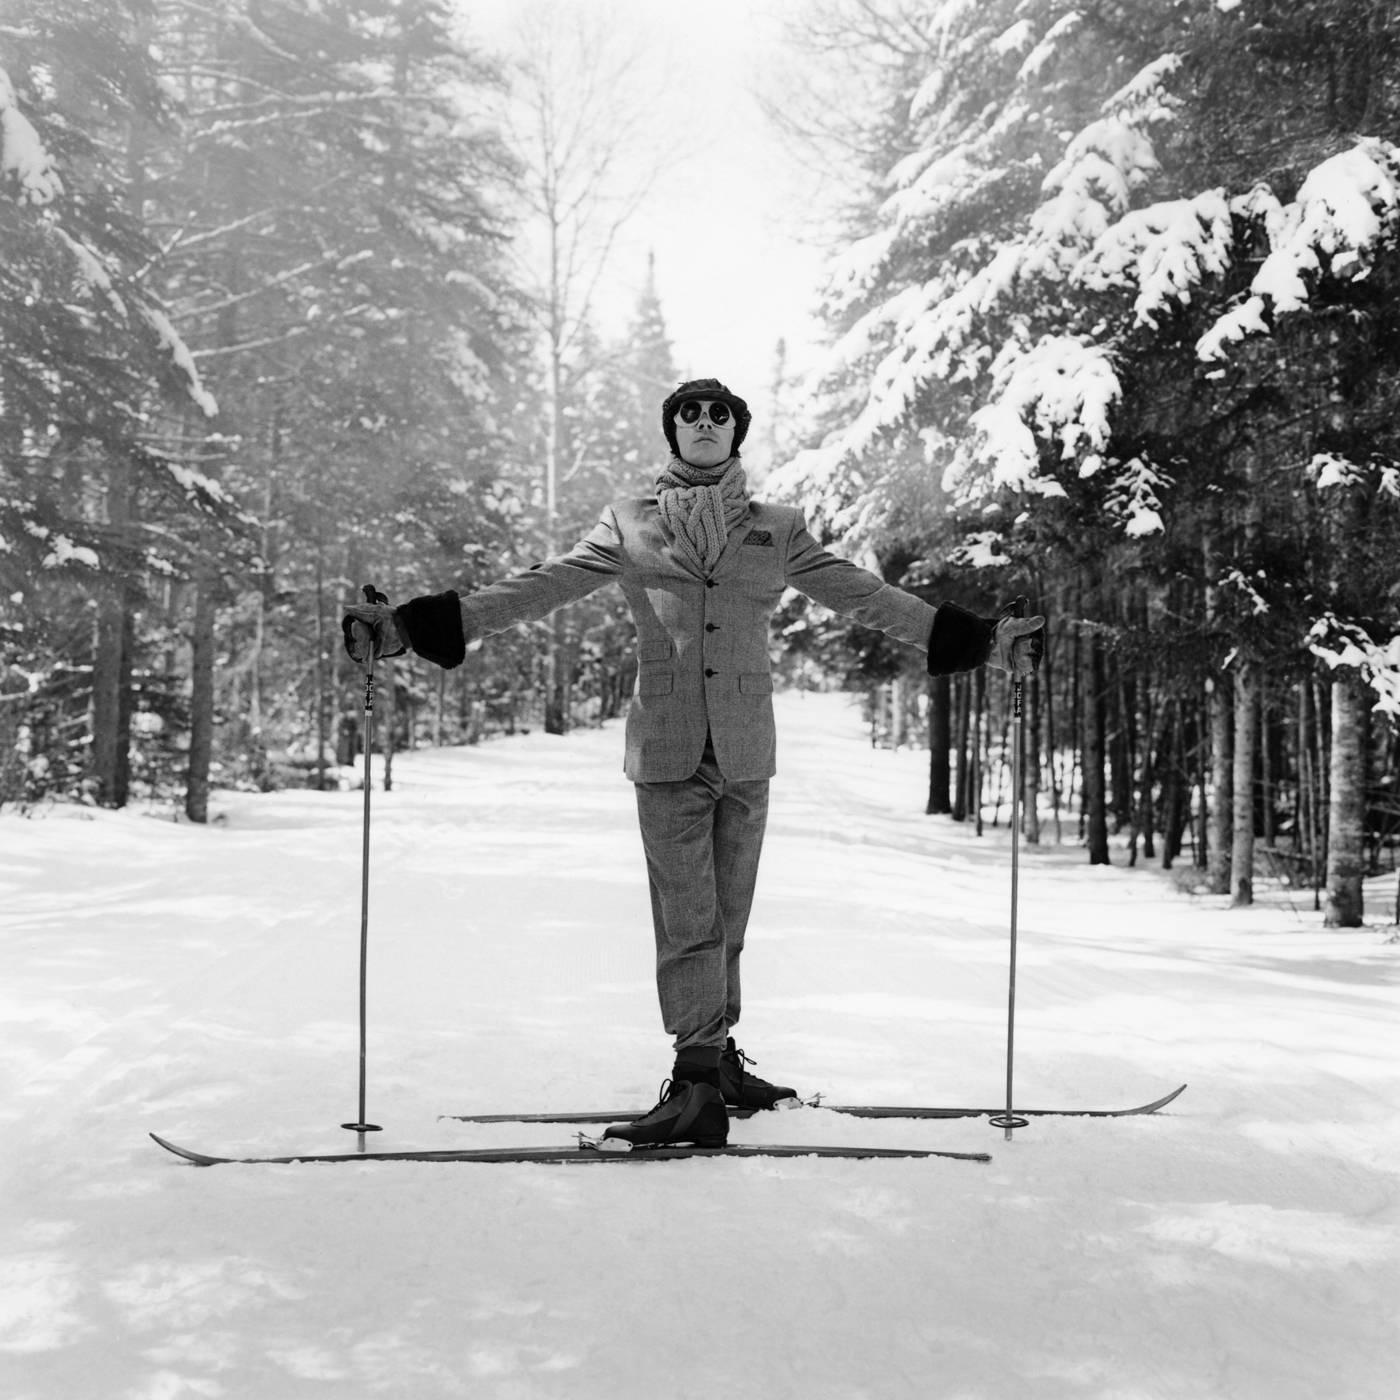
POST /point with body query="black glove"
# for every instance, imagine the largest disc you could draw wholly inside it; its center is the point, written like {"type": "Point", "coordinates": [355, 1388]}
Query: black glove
{"type": "Point", "coordinates": [1018, 641]}
{"type": "Point", "coordinates": [371, 630]}
{"type": "Point", "coordinates": [430, 625]}
{"type": "Point", "coordinates": [962, 641]}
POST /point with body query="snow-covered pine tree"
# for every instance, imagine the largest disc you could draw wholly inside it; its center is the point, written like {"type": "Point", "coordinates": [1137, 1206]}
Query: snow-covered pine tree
{"type": "Point", "coordinates": [1106, 295]}
{"type": "Point", "coordinates": [87, 352]}
{"type": "Point", "coordinates": [337, 260]}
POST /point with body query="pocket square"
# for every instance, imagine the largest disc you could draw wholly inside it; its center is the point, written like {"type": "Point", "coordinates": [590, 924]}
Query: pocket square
{"type": "Point", "coordinates": [759, 537]}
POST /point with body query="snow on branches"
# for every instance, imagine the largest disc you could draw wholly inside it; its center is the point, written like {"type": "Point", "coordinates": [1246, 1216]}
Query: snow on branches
{"type": "Point", "coordinates": [25, 164]}
{"type": "Point", "coordinates": [1163, 252]}
{"type": "Point", "coordinates": [172, 344]}
{"type": "Point", "coordinates": [1134, 499]}
{"type": "Point", "coordinates": [1346, 211]}
{"type": "Point", "coordinates": [1345, 644]}
{"type": "Point", "coordinates": [1328, 469]}
{"type": "Point", "coordinates": [968, 324]}
{"type": "Point", "coordinates": [1059, 391]}
{"type": "Point", "coordinates": [61, 550]}
{"type": "Point", "coordinates": [1007, 340]}
{"type": "Point", "coordinates": [1103, 166]}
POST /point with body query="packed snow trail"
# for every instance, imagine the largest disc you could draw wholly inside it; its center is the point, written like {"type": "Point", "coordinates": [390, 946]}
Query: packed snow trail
{"type": "Point", "coordinates": [202, 984]}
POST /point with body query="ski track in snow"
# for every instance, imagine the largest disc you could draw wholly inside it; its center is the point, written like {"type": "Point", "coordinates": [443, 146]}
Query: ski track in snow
{"type": "Point", "coordinates": [202, 983]}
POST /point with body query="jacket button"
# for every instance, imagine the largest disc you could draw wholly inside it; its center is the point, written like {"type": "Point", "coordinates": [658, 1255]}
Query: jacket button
{"type": "Point", "coordinates": [709, 672]}
{"type": "Point", "coordinates": [710, 583]}
{"type": "Point", "coordinates": [712, 627]}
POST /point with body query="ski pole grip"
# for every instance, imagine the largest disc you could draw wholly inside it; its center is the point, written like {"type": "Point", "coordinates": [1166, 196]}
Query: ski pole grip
{"type": "Point", "coordinates": [372, 595]}
{"type": "Point", "coordinates": [1019, 606]}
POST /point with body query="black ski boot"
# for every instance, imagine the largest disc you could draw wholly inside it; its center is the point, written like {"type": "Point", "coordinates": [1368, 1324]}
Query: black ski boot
{"type": "Point", "coordinates": [688, 1112]}
{"type": "Point", "coordinates": [744, 1090]}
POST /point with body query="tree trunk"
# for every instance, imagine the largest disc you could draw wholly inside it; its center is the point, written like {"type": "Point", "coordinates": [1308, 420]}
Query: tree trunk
{"type": "Point", "coordinates": [323, 700]}
{"type": "Point", "coordinates": [1222, 777]}
{"type": "Point", "coordinates": [1200, 815]}
{"type": "Point", "coordinates": [897, 703]}
{"type": "Point", "coordinates": [1246, 746]}
{"type": "Point", "coordinates": [1122, 748]}
{"type": "Point", "coordinates": [1046, 678]}
{"type": "Point", "coordinates": [1272, 758]}
{"type": "Point", "coordinates": [1322, 709]}
{"type": "Point", "coordinates": [1347, 808]}
{"type": "Point", "coordinates": [1095, 738]}
{"type": "Point", "coordinates": [978, 744]}
{"type": "Point", "coordinates": [962, 691]}
{"type": "Point", "coordinates": [940, 736]}
{"type": "Point", "coordinates": [1305, 820]}
{"type": "Point", "coordinates": [1176, 787]}
{"type": "Point", "coordinates": [1147, 810]}
{"type": "Point", "coordinates": [112, 701]}
{"type": "Point", "coordinates": [1246, 699]}
{"type": "Point", "coordinates": [1030, 761]}
{"type": "Point", "coordinates": [388, 720]}
{"type": "Point", "coordinates": [201, 692]}
{"type": "Point", "coordinates": [110, 764]}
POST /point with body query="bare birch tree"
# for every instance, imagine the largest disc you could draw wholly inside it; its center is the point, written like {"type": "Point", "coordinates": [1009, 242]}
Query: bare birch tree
{"type": "Point", "coordinates": [578, 124]}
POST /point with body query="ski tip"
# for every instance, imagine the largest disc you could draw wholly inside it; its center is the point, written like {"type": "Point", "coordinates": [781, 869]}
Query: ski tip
{"type": "Point", "coordinates": [197, 1158]}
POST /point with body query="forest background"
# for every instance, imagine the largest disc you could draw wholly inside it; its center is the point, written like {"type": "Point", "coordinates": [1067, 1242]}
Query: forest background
{"type": "Point", "coordinates": [297, 295]}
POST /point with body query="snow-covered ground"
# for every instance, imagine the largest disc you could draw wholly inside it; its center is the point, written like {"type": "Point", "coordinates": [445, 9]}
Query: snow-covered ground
{"type": "Point", "coordinates": [202, 983]}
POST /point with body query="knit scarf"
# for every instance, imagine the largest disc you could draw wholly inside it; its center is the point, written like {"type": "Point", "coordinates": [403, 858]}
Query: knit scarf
{"type": "Point", "coordinates": [700, 506]}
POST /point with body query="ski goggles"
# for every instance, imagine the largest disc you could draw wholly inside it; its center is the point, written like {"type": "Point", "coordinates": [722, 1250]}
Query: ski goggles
{"type": "Point", "coordinates": [719, 413]}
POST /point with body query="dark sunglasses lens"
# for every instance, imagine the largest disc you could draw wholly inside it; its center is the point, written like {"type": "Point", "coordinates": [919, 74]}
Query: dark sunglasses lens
{"type": "Point", "coordinates": [690, 413]}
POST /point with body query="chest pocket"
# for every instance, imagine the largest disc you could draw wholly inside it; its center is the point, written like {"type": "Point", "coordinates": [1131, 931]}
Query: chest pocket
{"type": "Point", "coordinates": [757, 570]}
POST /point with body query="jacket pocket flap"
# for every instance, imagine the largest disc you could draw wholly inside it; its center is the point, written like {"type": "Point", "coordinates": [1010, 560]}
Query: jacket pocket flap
{"type": "Point", "coordinates": [756, 684]}
{"type": "Point", "coordinates": [655, 649]}
{"type": "Point", "coordinates": [656, 683]}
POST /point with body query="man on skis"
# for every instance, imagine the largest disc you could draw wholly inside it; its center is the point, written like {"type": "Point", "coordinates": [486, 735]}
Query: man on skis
{"type": "Point", "coordinates": [703, 568]}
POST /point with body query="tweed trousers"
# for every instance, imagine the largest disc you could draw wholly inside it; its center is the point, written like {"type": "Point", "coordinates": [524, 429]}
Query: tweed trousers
{"type": "Point", "coordinates": [703, 837]}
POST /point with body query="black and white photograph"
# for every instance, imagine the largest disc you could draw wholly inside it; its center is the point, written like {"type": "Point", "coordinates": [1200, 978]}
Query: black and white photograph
{"type": "Point", "coordinates": [699, 698]}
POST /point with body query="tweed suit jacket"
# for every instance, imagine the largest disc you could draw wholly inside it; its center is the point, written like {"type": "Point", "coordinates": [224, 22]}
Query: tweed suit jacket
{"type": "Point", "coordinates": [703, 660]}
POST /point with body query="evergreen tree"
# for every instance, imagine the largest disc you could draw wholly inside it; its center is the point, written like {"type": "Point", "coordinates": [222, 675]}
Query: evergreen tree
{"type": "Point", "coordinates": [1128, 283]}
{"type": "Point", "coordinates": [345, 277]}
{"type": "Point", "coordinates": [87, 355]}
{"type": "Point", "coordinates": [308, 194]}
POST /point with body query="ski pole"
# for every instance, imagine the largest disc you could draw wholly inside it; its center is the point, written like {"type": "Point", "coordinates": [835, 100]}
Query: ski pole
{"type": "Point", "coordinates": [1009, 1120]}
{"type": "Point", "coordinates": [360, 1126]}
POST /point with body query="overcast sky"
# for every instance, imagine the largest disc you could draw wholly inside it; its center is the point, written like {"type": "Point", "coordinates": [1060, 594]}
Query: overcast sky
{"type": "Point", "coordinates": [728, 219]}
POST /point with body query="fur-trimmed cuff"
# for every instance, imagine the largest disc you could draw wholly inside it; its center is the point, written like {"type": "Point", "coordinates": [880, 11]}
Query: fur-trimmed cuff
{"type": "Point", "coordinates": [432, 626]}
{"type": "Point", "coordinates": [958, 641]}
